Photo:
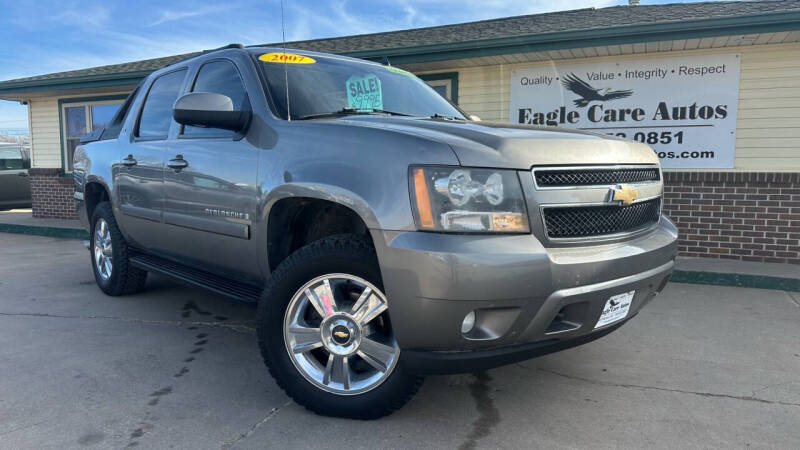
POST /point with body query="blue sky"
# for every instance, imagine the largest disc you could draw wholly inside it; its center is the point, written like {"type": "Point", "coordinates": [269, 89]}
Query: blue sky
{"type": "Point", "coordinates": [52, 36]}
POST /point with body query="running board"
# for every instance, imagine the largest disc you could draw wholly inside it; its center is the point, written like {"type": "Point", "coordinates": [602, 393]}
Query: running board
{"type": "Point", "coordinates": [221, 285]}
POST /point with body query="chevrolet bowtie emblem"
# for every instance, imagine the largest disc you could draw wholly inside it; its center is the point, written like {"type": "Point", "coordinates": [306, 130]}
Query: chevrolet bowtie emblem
{"type": "Point", "coordinates": [340, 334]}
{"type": "Point", "coordinates": [623, 193]}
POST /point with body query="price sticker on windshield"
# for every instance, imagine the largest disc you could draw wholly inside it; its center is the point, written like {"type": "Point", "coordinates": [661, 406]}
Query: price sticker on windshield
{"type": "Point", "coordinates": [364, 92]}
{"type": "Point", "coordinates": [287, 58]}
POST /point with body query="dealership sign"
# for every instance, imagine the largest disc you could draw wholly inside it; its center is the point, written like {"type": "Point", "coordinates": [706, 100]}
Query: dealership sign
{"type": "Point", "coordinates": [683, 107]}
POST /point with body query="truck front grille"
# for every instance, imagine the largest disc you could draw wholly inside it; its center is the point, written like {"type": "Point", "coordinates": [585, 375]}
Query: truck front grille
{"type": "Point", "coordinates": [589, 221]}
{"type": "Point", "coordinates": [594, 176]}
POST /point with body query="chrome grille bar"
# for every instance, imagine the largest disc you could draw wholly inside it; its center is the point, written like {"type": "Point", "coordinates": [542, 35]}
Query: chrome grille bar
{"type": "Point", "coordinates": [575, 203]}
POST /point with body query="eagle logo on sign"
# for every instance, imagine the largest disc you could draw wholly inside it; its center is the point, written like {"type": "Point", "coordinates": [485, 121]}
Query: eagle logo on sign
{"type": "Point", "coordinates": [589, 94]}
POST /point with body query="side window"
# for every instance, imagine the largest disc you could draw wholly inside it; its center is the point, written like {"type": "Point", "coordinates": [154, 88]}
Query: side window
{"type": "Point", "coordinates": [12, 159]}
{"type": "Point", "coordinates": [219, 77]}
{"type": "Point", "coordinates": [114, 127]}
{"type": "Point", "coordinates": [156, 114]}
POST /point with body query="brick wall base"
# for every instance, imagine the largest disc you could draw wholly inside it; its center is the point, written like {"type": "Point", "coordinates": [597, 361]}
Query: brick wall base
{"type": "Point", "coordinates": [51, 194]}
{"type": "Point", "coordinates": [751, 216]}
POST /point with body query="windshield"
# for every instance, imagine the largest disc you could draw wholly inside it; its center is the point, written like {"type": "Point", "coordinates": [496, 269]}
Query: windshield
{"type": "Point", "coordinates": [321, 86]}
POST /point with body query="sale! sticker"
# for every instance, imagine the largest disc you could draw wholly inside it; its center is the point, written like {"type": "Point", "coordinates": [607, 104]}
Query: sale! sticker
{"type": "Point", "coordinates": [287, 58]}
{"type": "Point", "coordinates": [364, 92]}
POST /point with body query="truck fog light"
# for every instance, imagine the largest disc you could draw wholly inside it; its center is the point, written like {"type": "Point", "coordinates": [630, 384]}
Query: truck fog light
{"type": "Point", "coordinates": [468, 323]}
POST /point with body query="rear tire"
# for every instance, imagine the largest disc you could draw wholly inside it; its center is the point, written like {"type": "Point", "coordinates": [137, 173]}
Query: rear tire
{"type": "Point", "coordinates": [109, 252]}
{"type": "Point", "coordinates": [344, 266]}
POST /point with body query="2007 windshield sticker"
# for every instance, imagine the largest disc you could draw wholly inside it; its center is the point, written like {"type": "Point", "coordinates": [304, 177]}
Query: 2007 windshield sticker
{"type": "Point", "coordinates": [364, 92]}
{"type": "Point", "coordinates": [288, 58]}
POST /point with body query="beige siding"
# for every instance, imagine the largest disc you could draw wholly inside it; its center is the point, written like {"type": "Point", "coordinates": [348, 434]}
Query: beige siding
{"type": "Point", "coordinates": [46, 132]}
{"type": "Point", "coordinates": [45, 140]}
{"type": "Point", "coordinates": [768, 131]}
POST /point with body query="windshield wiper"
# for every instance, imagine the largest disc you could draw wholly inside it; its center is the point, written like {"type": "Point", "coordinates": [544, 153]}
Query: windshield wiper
{"type": "Point", "coordinates": [351, 111]}
{"type": "Point", "coordinates": [391, 113]}
{"type": "Point", "coordinates": [442, 116]}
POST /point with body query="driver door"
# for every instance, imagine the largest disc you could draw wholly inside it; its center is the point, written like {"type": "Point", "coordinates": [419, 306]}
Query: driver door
{"type": "Point", "coordinates": [211, 184]}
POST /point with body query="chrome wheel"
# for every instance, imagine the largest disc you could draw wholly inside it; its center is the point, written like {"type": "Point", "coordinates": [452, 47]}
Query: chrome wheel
{"type": "Point", "coordinates": [338, 335]}
{"type": "Point", "coordinates": [103, 257]}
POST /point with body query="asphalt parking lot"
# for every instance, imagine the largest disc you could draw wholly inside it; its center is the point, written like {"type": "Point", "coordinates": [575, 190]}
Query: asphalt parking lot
{"type": "Point", "coordinates": [177, 367]}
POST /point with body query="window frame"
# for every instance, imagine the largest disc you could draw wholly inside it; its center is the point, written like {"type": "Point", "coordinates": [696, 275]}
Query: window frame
{"type": "Point", "coordinates": [226, 134]}
{"type": "Point", "coordinates": [87, 103]}
{"type": "Point", "coordinates": [135, 129]}
{"type": "Point", "coordinates": [446, 84]}
{"type": "Point", "coordinates": [447, 79]}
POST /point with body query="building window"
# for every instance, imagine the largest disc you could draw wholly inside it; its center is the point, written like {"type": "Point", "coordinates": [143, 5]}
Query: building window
{"type": "Point", "coordinates": [443, 87]}
{"type": "Point", "coordinates": [446, 84]}
{"type": "Point", "coordinates": [81, 118]}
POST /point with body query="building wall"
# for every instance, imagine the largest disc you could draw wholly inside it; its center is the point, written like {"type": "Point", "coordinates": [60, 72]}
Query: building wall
{"type": "Point", "coordinates": [51, 189]}
{"type": "Point", "coordinates": [51, 194]}
{"type": "Point", "coordinates": [768, 122]}
{"type": "Point", "coordinates": [754, 216]}
{"type": "Point", "coordinates": [46, 131]}
{"type": "Point", "coordinates": [751, 212]}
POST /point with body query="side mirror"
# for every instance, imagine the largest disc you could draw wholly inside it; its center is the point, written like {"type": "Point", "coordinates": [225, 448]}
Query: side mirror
{"type": "Point", "coordinates": [209, 110]}
{"type": "Point", "coordinates": [474, 118]}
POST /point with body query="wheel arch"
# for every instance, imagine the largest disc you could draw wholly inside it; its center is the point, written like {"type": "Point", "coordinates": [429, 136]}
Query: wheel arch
{"type": "Point", "coordinates": [296, 215]}
{"type": "Point", "coordinates": [94, 192]}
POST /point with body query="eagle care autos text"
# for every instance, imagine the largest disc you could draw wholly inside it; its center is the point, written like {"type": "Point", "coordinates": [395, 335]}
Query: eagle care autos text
{"type": "Point", "coordinates": [685, 107]}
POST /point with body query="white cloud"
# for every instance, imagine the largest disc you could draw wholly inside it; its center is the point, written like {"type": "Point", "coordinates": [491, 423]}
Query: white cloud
{"type": "Point", "coordinates": [344, 17]}
{"type": "Point", "coordinates": [175, 15]}
{"type": "Point", "coordinates": [92, 16]}
{"type": "Point", "coordinates": [45, 17]}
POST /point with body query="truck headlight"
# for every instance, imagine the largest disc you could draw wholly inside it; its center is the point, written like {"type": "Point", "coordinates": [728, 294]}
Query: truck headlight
{"type": "Point", "coordinates": [460, 199]}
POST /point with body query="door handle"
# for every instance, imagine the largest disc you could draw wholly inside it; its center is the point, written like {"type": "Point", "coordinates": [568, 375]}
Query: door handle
{"type": "Point", "coordinates": [178, 163]}
{"type": "Point", "coordinates": [22, 174]}
{"type": "Point", "coordinates": [129, 161]}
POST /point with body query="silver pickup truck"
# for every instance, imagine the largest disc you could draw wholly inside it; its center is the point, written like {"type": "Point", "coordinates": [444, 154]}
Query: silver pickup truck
{"type": "Point", "coordinates": [384, 234]}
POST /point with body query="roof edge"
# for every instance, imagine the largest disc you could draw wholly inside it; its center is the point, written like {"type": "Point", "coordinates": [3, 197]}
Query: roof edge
{"type": "Point", "coordinates": [637, 33]}
{"type": "Point", "coordinates": [431, 27]}
{"type": "Point", "coordinates": [58, 84]}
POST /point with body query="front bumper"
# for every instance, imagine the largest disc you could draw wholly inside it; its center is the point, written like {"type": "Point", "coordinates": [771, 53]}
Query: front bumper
{"type": "Point", "coordinates": [529, 299]}
{"type": "Point", "coordinates": [443, 363]}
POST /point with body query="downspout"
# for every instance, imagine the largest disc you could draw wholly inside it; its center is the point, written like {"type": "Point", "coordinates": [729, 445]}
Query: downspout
{"type": "Point", "coordinates": [30, 129]}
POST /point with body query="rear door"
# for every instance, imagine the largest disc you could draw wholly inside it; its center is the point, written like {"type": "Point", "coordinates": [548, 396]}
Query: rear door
{"type": "Point", "coordinates": [15, 188]}
{"type": "Point", "coordinates": [140, 179]}
{"type": "Point", "coordinates": [210, 184]}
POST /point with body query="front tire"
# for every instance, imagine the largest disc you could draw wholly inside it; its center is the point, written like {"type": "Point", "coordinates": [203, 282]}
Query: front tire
{"type": "Point", "coordinates": [109, 251]}
{"type": "Point", "coordinates": [325, 332]}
